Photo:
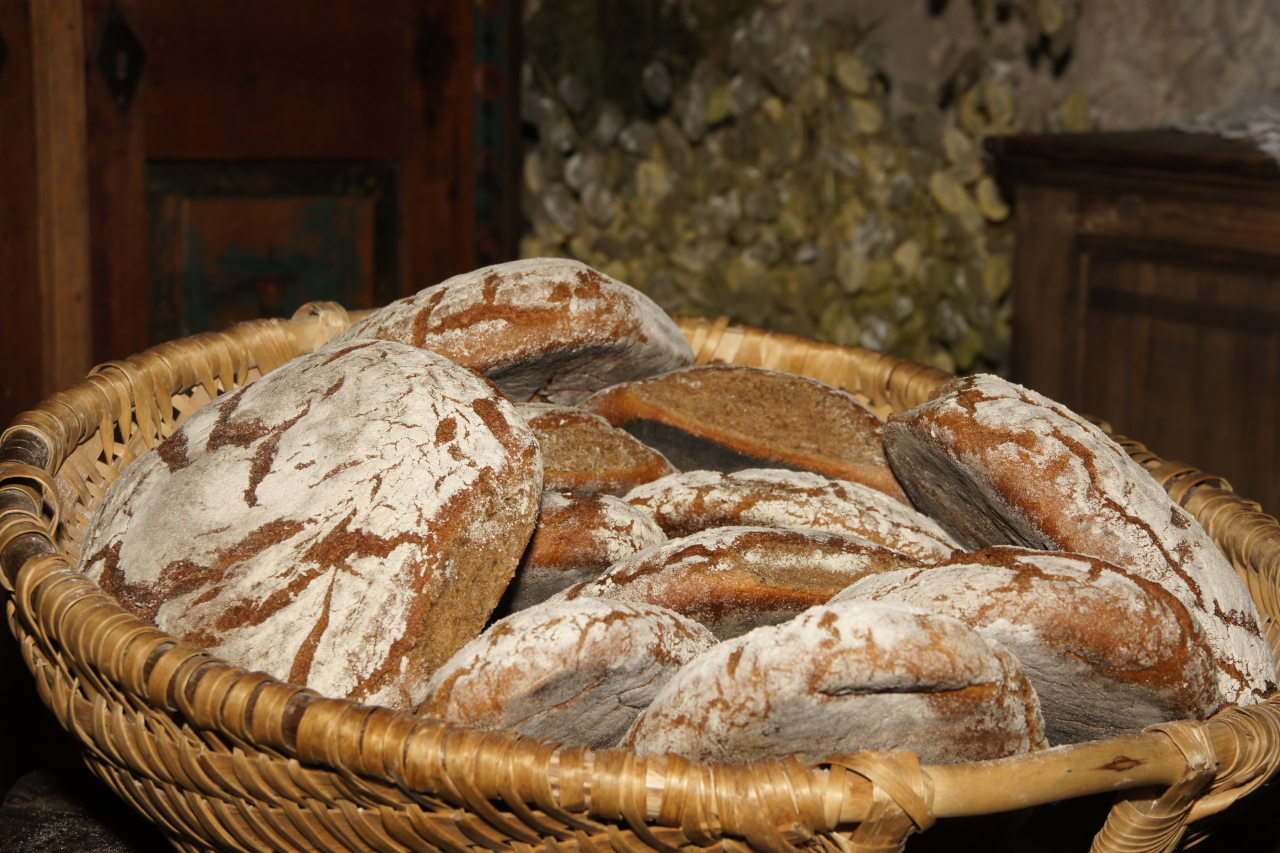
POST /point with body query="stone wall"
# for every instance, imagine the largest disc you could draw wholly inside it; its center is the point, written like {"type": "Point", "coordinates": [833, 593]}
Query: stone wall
{"type": "Point", "coordinates": [816, 166]}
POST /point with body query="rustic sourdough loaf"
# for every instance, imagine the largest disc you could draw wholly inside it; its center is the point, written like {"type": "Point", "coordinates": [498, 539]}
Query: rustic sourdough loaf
{"type": "Point", "coordinates": [697, 500]}
{"type": "Point", "coordinates": [729, 417]}
{"type": "Point", "coordinates": [544, 328]}
{"type": "Point", "coordinates": [841, 678]}
{"type": "Point", "coordinates": [583, 454]}
{"type": "Point", "coordinates": [999, 464]}
{"type": "Point", "coordinates": [1107, 651]}
{"type": "Point", "coordinates": [576, 539]}
{"type": "Point", "coordinates": [733, 579]}
{"type": "Point", "coordinates": [576, 672]}
{"type": "Point", "coordinates": [346, 522]}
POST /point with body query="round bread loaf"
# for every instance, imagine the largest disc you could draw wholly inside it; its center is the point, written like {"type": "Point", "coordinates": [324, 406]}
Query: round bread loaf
{"type": "Point", "coordinates": [544, 328]}
{"type": "Point", "coordinates": [697, 500]}
{"type": "Point", "coordinates": [733, 579]}
{"type": "Point", "coordinates": [1107, 651]}
{"type": "Point", "coordinates": [728, 418]}
{"type": "Point", "coordinates": [841, 678]}
{"type": "Point", "coordinates": [583, 454]}
{"type": "Point", "coordinates": [346, 522]}
{"type": "Point", "coordinates": [577, 538]}
{"type": "Point", "coordinates": [576, 672]}
{"type": "Point", "coordinates": [998, 464]}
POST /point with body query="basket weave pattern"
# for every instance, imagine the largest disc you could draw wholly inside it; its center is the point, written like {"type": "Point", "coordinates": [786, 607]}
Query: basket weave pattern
{"type": "Point", "coordinates": [221, 758]}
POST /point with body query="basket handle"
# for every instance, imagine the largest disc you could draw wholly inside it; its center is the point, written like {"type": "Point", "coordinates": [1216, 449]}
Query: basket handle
{"type": "Point", "coordinates": [1140, 824]}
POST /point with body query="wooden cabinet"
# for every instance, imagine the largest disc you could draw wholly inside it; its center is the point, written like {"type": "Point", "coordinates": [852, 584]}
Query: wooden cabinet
{"type": "Point", "coordinates": [1147, 292]}
{"type": "Point", "coordinates": [171, 166]}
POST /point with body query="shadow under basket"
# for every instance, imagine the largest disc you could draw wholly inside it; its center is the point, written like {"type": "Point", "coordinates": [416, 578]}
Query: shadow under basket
{"type": "Point", "coordinates": [226, 759]}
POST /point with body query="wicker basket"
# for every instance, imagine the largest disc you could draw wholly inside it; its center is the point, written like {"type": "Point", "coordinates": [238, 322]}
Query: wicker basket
{"type": "Point", "coordinates": [222, 758]}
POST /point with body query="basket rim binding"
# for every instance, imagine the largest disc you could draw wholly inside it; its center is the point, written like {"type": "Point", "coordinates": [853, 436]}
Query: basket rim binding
{"type": "Point", "coordinates": [72, 633]}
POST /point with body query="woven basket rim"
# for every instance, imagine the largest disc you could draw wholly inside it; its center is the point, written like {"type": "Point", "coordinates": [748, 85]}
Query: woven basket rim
{"type": "Point", "coordinates": [64, 617]}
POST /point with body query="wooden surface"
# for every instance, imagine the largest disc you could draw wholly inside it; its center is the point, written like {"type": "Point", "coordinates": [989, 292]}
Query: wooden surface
{"type": "Point", "coordinates": [62, 191]}
{"type": "Point", "coordinates": [1147, 292]}
{"type": "Point", "coordinates": [117, 202]}
{"type": "Point", "coordinates": [21, 352]}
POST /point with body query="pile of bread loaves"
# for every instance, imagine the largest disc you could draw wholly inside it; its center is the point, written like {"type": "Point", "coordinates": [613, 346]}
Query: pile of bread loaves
{"type": "Point", "coordinates": [510, 501]}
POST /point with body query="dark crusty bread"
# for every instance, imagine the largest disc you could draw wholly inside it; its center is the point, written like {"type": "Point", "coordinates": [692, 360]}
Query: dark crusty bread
{"type": "Point", "coordinates": [583, 454]}
{"type": "Point", "coordinates": [544, 328]}
{"type": "Point", "coordinates": [576, 539]}
{"type": "Point", "coordinates": [577, 672]}
{"type": "Point", "coordinates": [346, 522]}
{"type": "Point", "coordinates": [728, 418]}
{"type": "Point", "coordinates": [998, 464]}
{"type": "Point", "coordinates": [697, 500]}
{"type": "Point", "coordinates": [733, 579]}
{"type": "Point", "coordinates": [841, 678]}
{"type": "Point", "coordinates": [1107, 651]}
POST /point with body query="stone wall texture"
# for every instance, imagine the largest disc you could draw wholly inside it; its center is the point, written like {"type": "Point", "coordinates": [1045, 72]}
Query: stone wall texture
{"type": "Point", "coordinates": [817, 166]}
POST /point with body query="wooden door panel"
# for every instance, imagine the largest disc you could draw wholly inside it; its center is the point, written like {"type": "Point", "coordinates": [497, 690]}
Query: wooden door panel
{"type": "Point", "coordinates": [232, 242]}
{"type": "Point", "coordinates": [285, 79]}
{"type": "Point", "coordinates": [1186, 357]}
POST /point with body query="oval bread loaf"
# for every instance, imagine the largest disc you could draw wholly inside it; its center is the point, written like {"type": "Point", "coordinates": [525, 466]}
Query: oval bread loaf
{"type": "Point", "coordinates": [576, 672]}
{"type": "Point", "coordinates": [346, 522]}
{"type": "Point", "coordinates": [844, 677]}
{"type": "Point", "coordinates": [766, 497]}
{"type": "Point", "coordinates": [733, 579]}
{"type": "Point", "coordinates": [1108, 652]}
{"type": "Point", "coordinates": [577, 538]}
{"type": "Point", "coordinates": [549, 329]}
{"type": "Point", "coordinates": [998, 464]}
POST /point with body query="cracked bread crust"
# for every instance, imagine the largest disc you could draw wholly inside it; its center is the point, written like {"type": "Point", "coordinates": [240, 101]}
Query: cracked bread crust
{"type": "Point", "coordinates": [844, 677]}
{"type": "Point", "coordinates": [733, 579]}
{"type": "Point", "coordinates": [574, 672]}
{"type": "Point", "coordinates": [998, 464]}
{"type": "Point", "coordinates": [345, 523]}
{"type": "Point", "coordinates": [576, 539]}
{"type": "Point", "coordinates": [800, 500]}
{"type": "Point", "coordinates": [548, 329]}
{"type": "Point", "coordinates": [1107, 651]}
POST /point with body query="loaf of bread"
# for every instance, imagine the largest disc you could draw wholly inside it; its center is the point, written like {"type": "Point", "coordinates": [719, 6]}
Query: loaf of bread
{"type": "Point", "coordinates": [575, 672]}
{"type": "Point", "coordinates": [576, 539]}
{"type": "Point", "coordinates": [697, 500]}
{"type": "Point", "coordinates": [998, 464]}
{"type": "Point", "coordinates": [549, 329]}
{"type": "Point", "coordinates": [733, 579]}
{"type": "Point", "coordinates": [841, 678]}
{"type": "Point", "coordinates": [583, 454]}
{"type": "Point", "coordinates": [728, 418]}
{"type": "Point", "coordinates": [345, 523]}
{"type": "Point", "coordinates": [1107, 651]}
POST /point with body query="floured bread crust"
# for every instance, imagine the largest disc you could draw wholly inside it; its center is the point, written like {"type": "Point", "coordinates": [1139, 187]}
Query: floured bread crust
{"type": "Point", "coordinates": [841, 678]}
{"type": "Point", "coordinates": [766, 497]}
{"type": "Point", "coordinates": [1108, 652]}
{"type": "Point", "coordinates": [729, 418]}
{"type": "Point", "coordinates": [583, 454]}
{"type": "Point", "coordinates": [733, 579]}
{"type": "Point", "coordinates": [549, 329]}
{"type": "Point", "coordinates": [346, 522]}
{"type": "Point", "coordinates": [577, 538]}
{"type": "Point", "coordinates": [576, 672]}
{"type": "Point", "coordinates": [997, 464]}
